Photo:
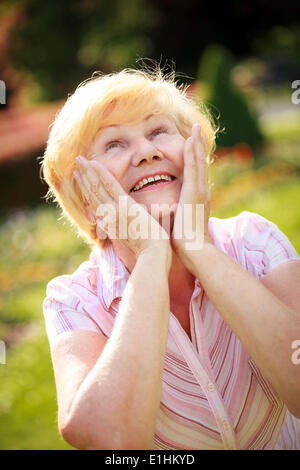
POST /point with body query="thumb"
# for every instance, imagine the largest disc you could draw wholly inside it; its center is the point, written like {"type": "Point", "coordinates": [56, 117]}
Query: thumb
{"type": "Point", "coordinates": [190, 169]}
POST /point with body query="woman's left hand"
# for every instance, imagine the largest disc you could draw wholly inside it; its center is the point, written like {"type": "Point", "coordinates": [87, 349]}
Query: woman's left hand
{"type": "Point", "coordinates": [190, 231]}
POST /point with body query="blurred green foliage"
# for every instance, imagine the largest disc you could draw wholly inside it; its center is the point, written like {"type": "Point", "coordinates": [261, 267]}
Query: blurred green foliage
{"type": "Point", "coordinates": [28, 406]}
{"type": "Point", "coordinates": [278, 203]}
{"type": "Point", "coordinates": [62, 43]}
{"type": "Point", "coordinates": [228, 105]}
{"type": "Point", "coordinates": [35, 246]}
{"type": "Point", "coordinates": [280, 46]}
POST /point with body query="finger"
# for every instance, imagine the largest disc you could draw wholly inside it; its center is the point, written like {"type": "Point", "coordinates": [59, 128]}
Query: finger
{"type": "Point", "coordinates": [104, 213]}
{"type": "Point", "coordinates": [92, 182]}
{"type": "Point", "coordinates": [203, 170]}
{"type": "Point", "coordinates": [89, 200]}
{"type": "Point", "coordinates": [190, 165]}
{"type": "Point", "coordinates": [92, 201]}
{"type": "Point", "coordinates": [200, 146]}
{"type": "Point", "coordinates": [199, 142]}
{"type": "Point", "coordinates": [196, 134]}
{"type": "Point", "coordinates": [84, 191]}
{"type": "Point", "coordinates": [109, 182]}
{"type": "Point", "coordinates": [203, 160]}
{"type": "Point", "coordinates": [112, 186]}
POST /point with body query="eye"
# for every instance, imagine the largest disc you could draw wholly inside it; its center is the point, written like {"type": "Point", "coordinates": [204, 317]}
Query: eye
{"type": "Point", "coordinates": [158, 130]}
{"type": "Point", "coordinates": [112, 145]}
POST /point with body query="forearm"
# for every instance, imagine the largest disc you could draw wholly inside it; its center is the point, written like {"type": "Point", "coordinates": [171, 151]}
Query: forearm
{"type": "Point", "coordinates": [117, 404]}
{"type": "Point", "coordinates": [265, 326]}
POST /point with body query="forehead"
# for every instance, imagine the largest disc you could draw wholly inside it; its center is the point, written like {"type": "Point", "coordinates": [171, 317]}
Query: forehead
{"type": "Point", "coordinates": [148, 120]}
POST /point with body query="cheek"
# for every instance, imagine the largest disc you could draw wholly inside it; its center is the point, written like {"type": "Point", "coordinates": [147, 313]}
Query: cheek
{"type": "Point", "coordinates": [176, 153]}
{"type": "Point", "coordinates": [174, 149]}
{"type": "Point", "coordinates": [117, 171]}
{"type": "Point", "coordinates": [181, 159]}
{"type": "Point", "coordinates": [113, 165]}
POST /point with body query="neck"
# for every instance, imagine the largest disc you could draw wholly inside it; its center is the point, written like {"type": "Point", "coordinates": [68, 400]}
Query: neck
{"type": "Point", "coordinates": [181, 280]}
{"type": "Point", "coordinates": [181, 284]}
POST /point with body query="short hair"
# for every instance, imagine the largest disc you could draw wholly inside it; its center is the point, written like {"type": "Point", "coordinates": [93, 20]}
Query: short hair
{"type": "Point", "coordinates": [122, 97]}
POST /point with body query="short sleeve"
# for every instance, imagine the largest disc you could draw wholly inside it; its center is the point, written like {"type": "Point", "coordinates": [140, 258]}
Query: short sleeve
{"type": "Point", "coordinates": [64, 307]}
{"type": "Point", "coordinates": [265, 245]}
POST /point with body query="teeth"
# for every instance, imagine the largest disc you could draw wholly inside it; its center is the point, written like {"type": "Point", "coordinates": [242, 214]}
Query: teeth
{"type": "Point", "coordinates": [151, 179]}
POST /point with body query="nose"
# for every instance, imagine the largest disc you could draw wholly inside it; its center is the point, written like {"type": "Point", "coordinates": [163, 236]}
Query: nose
{"type": "Point", "coordinates": [145, 152]}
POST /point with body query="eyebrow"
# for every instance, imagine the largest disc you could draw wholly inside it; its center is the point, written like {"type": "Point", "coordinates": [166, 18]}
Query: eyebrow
{"type": "Point", "coordinates": [116, 126]}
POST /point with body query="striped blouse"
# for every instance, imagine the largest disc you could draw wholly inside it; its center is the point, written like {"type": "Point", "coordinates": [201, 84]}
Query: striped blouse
{"type": "Point", "coordinates": [213, 395]}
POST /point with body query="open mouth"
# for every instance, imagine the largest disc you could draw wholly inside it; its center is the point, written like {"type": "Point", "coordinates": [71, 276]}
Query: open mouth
{"type": "Point", "coordinates": [152, 182]}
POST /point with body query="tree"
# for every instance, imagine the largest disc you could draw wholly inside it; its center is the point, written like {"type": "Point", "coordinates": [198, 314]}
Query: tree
{"type": "Point", "coordinates": [226, 101]}
{"type": "Point", "coordinates": [61, 43]}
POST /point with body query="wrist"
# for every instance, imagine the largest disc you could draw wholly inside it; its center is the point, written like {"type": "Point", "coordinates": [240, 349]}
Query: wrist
{"type": "Point", "coordinates": [196, 260]}
{"type": "Point", "coordinates": [160, 253]}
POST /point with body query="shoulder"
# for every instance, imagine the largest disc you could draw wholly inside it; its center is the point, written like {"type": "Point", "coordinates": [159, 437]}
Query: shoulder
{"type": "Point", "coordinates": [82, 283]}
{"type": "Point", "coordinates": [233, 229]}
{"type": "Point", "coordinates": [253, 241]}
{"type": "Point", "coordinates": [84, 300]}
{"type": "Point", "coordinates": [75, 301]}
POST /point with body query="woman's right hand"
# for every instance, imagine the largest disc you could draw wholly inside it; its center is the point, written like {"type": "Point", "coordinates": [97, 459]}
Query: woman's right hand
{"type": "Point", "coordinates": [116, 214]}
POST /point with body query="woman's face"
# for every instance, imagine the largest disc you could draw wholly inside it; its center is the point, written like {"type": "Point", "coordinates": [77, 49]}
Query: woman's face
{"type": "Point", "coordinates": [152, 148]}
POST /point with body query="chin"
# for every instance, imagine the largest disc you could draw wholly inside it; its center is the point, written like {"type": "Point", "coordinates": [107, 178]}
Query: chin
{"type": "Point", "coordinates": [161, 205]}
{"type": "Point", "coordinates": [169, 198]}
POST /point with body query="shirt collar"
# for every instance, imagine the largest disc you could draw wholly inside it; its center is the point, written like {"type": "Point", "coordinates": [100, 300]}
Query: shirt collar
{"type": "Point", "coordinates": [114, 275]}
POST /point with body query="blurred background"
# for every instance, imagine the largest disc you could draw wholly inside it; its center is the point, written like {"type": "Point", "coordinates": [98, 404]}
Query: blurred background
{"type": "Point", "coordinates": [241, 58]}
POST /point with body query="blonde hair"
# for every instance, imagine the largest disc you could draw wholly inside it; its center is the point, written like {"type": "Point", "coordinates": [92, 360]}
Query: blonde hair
{"type": "Point", "coordinates": [123, 97]}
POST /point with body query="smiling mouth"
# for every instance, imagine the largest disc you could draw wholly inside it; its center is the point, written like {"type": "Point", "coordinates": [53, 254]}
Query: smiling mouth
{"type": "Point", "coordinates": [152, 181]}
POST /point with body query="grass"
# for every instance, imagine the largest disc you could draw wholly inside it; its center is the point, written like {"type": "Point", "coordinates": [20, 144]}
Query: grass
{"type": "Point", "coordinates": [27, 398]}
{"type": "Point", "coordinates": [35, 247]}
{"type": "Point", "coordinates": [279, 203]}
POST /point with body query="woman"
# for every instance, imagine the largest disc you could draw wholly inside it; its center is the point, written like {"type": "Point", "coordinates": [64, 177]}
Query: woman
{"type": "Point", "coordinates": [182, 340]}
